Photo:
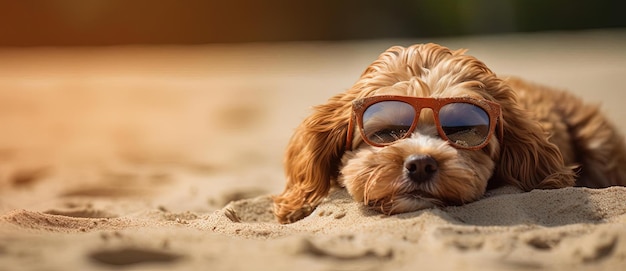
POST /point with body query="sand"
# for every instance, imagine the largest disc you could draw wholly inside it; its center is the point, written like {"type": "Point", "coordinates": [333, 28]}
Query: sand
{"type": "Point", "coordinates": [164, 158]}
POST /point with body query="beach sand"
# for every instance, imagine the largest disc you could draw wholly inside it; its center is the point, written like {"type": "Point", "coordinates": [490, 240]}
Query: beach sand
{"type": "Point", "coordinates": [164, 158]}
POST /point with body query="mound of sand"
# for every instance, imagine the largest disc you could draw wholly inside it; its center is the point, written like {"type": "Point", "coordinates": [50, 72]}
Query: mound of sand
{"type": "Point", "coordinates": [165, 159]}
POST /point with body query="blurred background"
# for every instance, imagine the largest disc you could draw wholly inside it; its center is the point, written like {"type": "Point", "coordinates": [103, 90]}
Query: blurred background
{"type": "Point", "coordinates": [113, 22]}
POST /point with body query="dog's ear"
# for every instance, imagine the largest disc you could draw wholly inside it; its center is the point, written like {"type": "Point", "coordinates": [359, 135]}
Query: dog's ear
{"type": "Point", "coordinates": [313, 159]}
{"type": "Point", "coordinates": [527, 159]}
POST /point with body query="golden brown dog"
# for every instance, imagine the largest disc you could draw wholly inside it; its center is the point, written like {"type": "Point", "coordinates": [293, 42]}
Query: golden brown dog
{"type": "Point", "coordinates": [427, 126]}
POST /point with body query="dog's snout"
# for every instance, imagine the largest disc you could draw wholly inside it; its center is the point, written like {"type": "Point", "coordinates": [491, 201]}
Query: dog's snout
{"type": "Point", "coordinates": [420, 168]}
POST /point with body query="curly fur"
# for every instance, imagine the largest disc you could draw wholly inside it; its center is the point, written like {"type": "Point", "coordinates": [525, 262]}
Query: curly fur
{"type": "Point", "coordinates": [549, 135]}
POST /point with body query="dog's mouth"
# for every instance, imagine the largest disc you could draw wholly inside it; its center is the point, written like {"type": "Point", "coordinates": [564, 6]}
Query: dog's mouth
{"type": "Point", "coordinates": [420, 195]}
{"type": "Point", "coordinates": [406, 202]}
{"type": "Point", "coordinates": [423, 195]}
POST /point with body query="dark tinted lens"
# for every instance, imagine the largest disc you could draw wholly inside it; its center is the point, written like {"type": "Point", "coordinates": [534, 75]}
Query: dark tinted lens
{"type": "Point", "coordinates": [387, 121]}
{"type": "Point", "coordinates": [465, 125]}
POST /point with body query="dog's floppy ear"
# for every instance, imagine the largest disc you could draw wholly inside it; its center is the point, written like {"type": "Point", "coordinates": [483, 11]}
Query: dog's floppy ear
{"type": "Point", "coordinates": [313, 159]}
{"type": "Point", "coordinates": [528, 160]}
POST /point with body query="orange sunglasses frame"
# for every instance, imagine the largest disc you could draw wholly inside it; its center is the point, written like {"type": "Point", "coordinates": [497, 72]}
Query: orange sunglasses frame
{"type": "Point", "coordinates": [359, 106]}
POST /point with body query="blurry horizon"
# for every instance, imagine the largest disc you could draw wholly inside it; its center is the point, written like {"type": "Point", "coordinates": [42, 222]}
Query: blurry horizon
{"type": "Point", "coordinates": [117, 22]}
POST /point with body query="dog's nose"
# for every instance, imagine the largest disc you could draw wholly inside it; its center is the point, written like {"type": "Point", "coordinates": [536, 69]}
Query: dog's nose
{"type": "Point", "coordinates": [420, 168]}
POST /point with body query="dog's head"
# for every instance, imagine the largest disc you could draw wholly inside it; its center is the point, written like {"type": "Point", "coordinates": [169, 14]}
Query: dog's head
{"type": "Point", "coordinates": [423, 126]}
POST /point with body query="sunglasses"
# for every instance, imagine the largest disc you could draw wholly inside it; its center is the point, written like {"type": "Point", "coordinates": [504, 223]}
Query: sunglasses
{"type": "Point", "coordinates": [466, 123]}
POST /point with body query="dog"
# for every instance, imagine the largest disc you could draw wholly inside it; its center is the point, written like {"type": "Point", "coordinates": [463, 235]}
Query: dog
{"type": "Point", "coordinates": [427, 126]}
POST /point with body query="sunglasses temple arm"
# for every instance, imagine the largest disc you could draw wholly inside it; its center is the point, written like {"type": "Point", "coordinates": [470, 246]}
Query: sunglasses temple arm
{"type": "Point", "coordinates": [500, 129]}
{"type": "Point", "coordinates": [349, 134]}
